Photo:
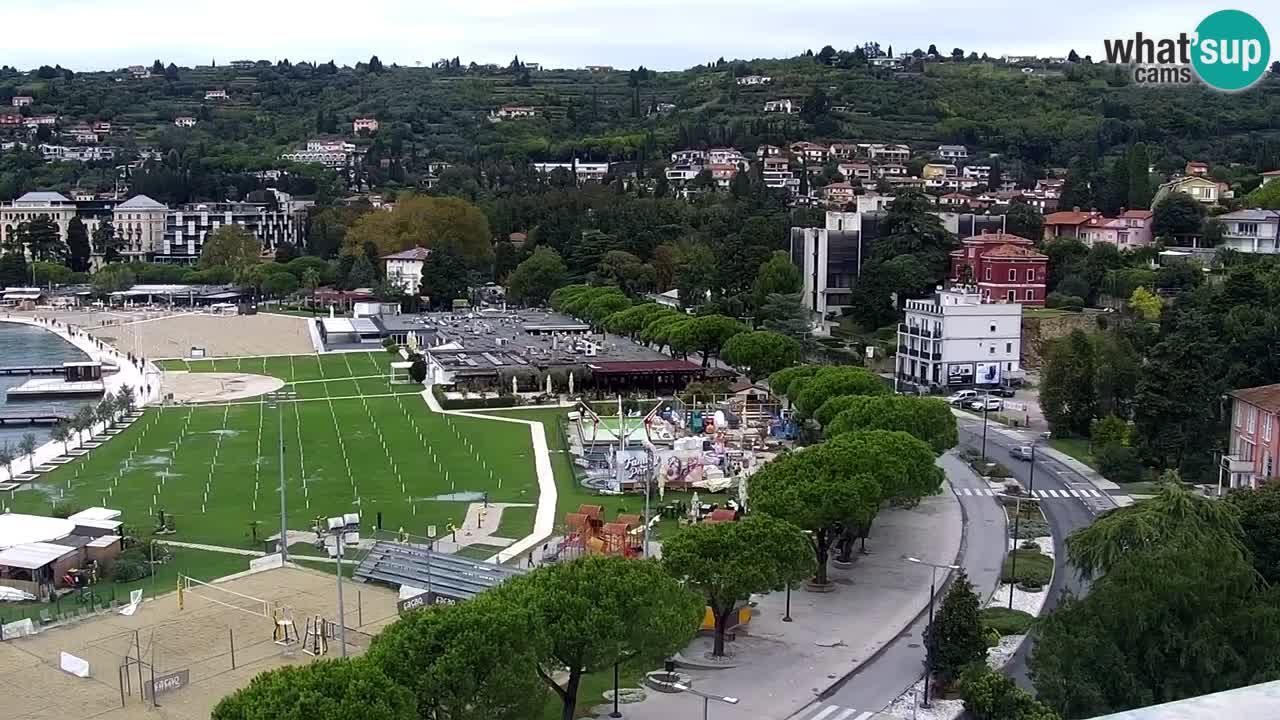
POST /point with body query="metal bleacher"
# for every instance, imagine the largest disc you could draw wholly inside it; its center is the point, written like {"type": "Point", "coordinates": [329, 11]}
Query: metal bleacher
{"type": "Point", "coordinates": [397, 564]}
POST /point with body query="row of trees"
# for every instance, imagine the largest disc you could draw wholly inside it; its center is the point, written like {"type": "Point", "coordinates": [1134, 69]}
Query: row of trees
{"type": "Point", "coordinates": [109, 409]}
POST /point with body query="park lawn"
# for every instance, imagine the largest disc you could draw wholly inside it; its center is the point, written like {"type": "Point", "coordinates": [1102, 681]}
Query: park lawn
{"type": "Point", "coordinates": [1032, 564]}
{"type": "Point", "coordinates": [1077, 448]}
{"type": "Point", "coordinates": [1006, 621]}
{"type": "Point", "coordinates": [214, 468]}
{"type": "Point", "coordinates": [297, 368]}
{"type": "Point", "coordinates": [516, 522]}
{"type": "Point", "coordinates": [199, 564]}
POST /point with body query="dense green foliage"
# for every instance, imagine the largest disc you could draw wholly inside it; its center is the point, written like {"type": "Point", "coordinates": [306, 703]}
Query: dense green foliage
{"type": "Point", "coordinates": [955, 638]}
{"type": "Point", "coordinates": [344, 689]}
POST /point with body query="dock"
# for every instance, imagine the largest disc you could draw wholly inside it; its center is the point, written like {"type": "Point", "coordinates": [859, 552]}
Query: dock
{"type": "Point", "coordinates": [44, 418]}
{"type": "Point", "coordinates": [33, 370]}
{"type": "Point", "coordinates": [45, 388]}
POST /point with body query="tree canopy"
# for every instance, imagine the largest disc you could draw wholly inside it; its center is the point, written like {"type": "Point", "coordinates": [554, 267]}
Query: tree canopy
{"type": "Point", "coordinates": [761, 353]}
{"type": "Point", "coordinates": [231, 247]}
{"type": "Point", "coordinates": [344, 689]}
{"type": "Point", "coordinates": [928, 419]}
{"type": "Point", "coordinates": [536, 278]}
{"type": "Point", "coordinates": [421, 221]}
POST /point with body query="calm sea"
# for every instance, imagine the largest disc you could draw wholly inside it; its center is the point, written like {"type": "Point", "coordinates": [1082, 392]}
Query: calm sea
{"type": "Point", "coordinates": [26, 345]}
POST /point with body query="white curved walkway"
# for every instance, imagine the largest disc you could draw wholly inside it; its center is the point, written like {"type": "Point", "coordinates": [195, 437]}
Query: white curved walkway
{"type": "Point", "coordinates": [128, 374]}
{"type": "Point", "coordinates": [544, 517]}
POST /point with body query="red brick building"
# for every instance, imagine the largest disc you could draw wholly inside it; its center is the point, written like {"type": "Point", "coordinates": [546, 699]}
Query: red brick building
{"type": "Point", "coordinates": [1004, 267]}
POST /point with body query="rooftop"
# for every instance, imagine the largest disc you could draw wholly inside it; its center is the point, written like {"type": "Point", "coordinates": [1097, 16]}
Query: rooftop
{"type": "Point", "coordinates": [1251, 214]}
{"type": "Point", "coordinates": [416, 253]}
{"type": "Point", "coordinates": [1000, 238]}
{"type": "Point", "coordinates": [43, 197]}
{"type": "Point", "coordinates": [141, 202]}
{"type": "Point", "coordinates": [1266, 397]}
{"type": "Point", "coordinates": [1015, 251]}
{"type": "Point", "coordinates": [1069, 217]}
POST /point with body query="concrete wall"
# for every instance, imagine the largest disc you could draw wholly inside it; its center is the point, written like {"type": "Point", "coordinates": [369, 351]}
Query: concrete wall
{"type": "Point", "coordinates": [1036, 331]}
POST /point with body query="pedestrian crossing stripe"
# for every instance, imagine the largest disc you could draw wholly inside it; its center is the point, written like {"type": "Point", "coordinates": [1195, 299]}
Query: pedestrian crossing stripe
{"type": "Point", "coordinates": [1070, 492]}
{"type": "Point", "coordinates": [837, 712]}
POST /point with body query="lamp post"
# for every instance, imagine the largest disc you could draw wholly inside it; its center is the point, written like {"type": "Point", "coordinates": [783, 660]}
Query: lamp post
{"type": "Point", "coordinates": [1017, 515]}
{"type": "Point", "coordinates": [985, 399]}
{"type": "Point", "coordinates": [277, 400]}
{"type": "Point", "coordinates": [933, 585]}
{"type": "Point", "coordinates": [615, 713]}
{"type": "Point", "coordinates": [706, 697]}
{"type": "Point", "coordinates": [786, 617]}
{"type": "Point", "coordinates": [343, 529]}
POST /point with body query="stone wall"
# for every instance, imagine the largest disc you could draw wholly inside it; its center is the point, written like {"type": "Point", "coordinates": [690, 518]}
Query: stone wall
{"type": "Point", "coordinates": [1036, 331]}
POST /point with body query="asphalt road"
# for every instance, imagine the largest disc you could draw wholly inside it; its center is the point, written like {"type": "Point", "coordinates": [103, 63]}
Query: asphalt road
{"type": "Point", "coordinates": [1064, 515]}
{"type": "Point", "coordinates": [901, 663]}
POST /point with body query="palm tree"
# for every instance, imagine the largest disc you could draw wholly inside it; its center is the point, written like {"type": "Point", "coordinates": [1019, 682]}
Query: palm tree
{"type": "Point", "coordinates": [6, 458]}
{"type": "Point", "coordinates": [61, 432]}
{"type": "Point", "coordinates": [27, 447]}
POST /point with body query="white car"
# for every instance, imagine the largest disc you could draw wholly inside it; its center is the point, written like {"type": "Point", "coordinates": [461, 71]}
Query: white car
{"type": "Point", "coordinates": [962, 397]}
{"type": "Point", "coordinates": [990, 403]}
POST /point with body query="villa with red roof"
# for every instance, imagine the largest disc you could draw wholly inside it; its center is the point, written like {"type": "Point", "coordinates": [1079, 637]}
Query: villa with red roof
{"type": "Point", "coordinates": [1004, 267]}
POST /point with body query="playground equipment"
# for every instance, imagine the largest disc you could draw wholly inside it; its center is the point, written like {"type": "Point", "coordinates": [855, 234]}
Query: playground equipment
{"type": "Point", "coordinates": [285, 633]}
{"type": "Point", "coordinates": [587, 532]}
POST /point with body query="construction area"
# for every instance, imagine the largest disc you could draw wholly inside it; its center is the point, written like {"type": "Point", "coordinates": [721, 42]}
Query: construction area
{"type": "Point", "coordinates": [194, 651]}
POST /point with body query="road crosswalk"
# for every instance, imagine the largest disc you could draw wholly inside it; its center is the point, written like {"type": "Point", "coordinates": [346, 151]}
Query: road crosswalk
{"type": "Point", "coordinates": [835, 712]}
{"type": "Point", "coordinates": [1072, 492]}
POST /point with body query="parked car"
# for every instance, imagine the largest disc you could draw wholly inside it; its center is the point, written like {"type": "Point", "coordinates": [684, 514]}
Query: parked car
{"type": "Point", "coordinates": [1022, 452]}
{"type": "Point", "coordinates": [963, 396]}
{"type": "Point", "coordinates": [988, 403]}
{"type": "Point", "coordinates": [1003, 391]}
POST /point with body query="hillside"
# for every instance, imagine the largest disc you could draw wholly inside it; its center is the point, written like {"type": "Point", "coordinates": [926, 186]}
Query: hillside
{"type": "Point", "coordinates": [1034, 120]}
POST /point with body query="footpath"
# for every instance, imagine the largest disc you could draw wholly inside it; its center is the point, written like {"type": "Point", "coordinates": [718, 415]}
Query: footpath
{"type": "Point", "coordinates": [779, 667]}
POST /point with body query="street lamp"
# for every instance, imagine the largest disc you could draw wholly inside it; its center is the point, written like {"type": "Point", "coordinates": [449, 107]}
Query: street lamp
{"type": "Point", "coordinates": [986, 400]}
{"type": "Point", "coordinates": [344, 529]}
{"type": "Point", "coordinates": [1017, 514]}
{"type": "Point", "coordinates": [706, 697]}
{"type": "Point", "coordinates": [277, 400]}
{"type": "Point", "coordinates": [933, 584]}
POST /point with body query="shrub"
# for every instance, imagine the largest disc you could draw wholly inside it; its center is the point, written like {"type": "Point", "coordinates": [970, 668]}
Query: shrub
{"type": "Point", "coordinates": [1064, 302]}
{"type": "Point", "coordinates": [996, 470]}
{"type": "Point", "coordinates": [1006, 621]}
{"type": "Point", "coordinates": [1032, 567]}
{"type": "Point", "coordinates": [1119, 463]}
{"type": "Point", "coordinates": [988, 695]}
{"type": "Point", "coordinates": [1030, 529]}
{"type": "Point", "coordinates": [65, 509]}
{"type": "Point", "coordinates": [1029, 544]}
{"type": "Point", "coordinates": [128, 568]}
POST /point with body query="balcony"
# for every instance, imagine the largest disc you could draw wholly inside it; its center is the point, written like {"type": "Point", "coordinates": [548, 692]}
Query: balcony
{"type": "Point", "coordinates": [1233, 464]}
{"type": "Point", "coordinates": [917, 331]}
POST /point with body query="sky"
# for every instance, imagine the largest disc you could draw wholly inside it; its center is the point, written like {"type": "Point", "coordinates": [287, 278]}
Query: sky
{"type": "Point", "coordinates": [660, 34]}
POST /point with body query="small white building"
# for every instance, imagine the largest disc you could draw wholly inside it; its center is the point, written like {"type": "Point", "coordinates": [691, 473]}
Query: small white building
{"type": "Point", "coordinates": [957, 340]}
{"type": "Point", "coordinates": [365, 124]}
{"type": "Point", "coordinates": [184, 121]}
{"type": "Point", "coordinates": [215, 94]}
{"type": "Point", "coordinates": [782, 106]}
{"type": "Point", "coordinates": [953, 152]}
{"type": "Point", "coordinates": [1253, 231]}
{"type": "Point", "coordinates": [755, 80]}
{"type": "Point", "coordinates": [404, 269]}
{"type": "Point", "coordinates": [22, 100]}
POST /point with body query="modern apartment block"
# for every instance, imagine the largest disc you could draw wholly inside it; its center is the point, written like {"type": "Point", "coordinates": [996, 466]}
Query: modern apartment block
{"type": "Point", "coordinates": [958, 339]}
{"type": "Point", "coordinates": [187, 227]}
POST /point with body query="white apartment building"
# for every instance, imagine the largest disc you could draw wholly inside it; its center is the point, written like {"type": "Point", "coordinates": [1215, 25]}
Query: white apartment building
{"type": "Point", "coordinates": [782, 106]}
{"type": "Point", "coordinates": [187, 227]}
{"type": "Point", "coordinates": [584, 171]}
{"type": "Point", "coordinates": [366, 124]}
{"type": "Point", "coordinates": [688, 157]}
{"type": "Point", "coordinates": [334, 153]}
{"type": "Point", "coordinates": [755, 80]}
{"type": "Point", "coordinates": [33, 206]}
{"type": "Point", "coordinates": [139, 224]}
{"type": "Point", "coordinates": [184, 121]}
{"type": "Point", "coordinates": [404, 269]}
{"type": "Point", "coordinates": [726, 156]}
{"type": "Point", "coordinates": [215, 95]}
{"type": "Point", "coordinates": [956, 340]}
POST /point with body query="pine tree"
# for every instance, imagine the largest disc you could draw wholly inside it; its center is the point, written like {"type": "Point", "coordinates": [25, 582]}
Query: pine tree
{"type": "Point", "coordinates": [78, 250]}
{"type": "Point", "coordinates": [955, 638]}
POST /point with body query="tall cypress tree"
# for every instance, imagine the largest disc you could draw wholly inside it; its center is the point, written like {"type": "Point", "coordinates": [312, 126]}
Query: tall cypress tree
{"type": "Point", "coordinates": [1139, 195]}
{"type": "Point", "coordinates": [78, 249]}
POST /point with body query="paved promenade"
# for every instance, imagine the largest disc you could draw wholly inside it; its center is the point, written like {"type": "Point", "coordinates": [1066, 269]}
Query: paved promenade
{"type": "Point", "coordinates": [783, 667]}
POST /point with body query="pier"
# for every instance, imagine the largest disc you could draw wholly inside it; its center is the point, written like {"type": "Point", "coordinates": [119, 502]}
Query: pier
{"type": "Point", "coordinates": [39, 418]}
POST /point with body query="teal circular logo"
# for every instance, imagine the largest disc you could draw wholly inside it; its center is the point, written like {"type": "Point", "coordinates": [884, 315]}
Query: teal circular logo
{"type": "Point", "coordinates": [1231, 50]}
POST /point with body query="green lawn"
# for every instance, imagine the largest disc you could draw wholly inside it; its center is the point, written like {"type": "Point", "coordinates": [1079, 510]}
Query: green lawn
{"type": "Point", "coordinates": [479, 551]}
{"type": "Point", "coordinates": [1077, 448]}
{"type": "Point", "coordinates": [516, 522]}
{"type": "Point", "coordinates": [1006, 621]}
{"type": "Point", "coordinates": [215, 468]}
{"type": "Point", "coordinates": [1032, 565]}
{"type": "Point", "coordinates": [199, 564]}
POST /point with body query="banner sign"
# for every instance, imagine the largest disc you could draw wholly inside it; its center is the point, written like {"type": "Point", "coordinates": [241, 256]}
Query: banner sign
{"type": "Point", "coordinates": [166, 683]}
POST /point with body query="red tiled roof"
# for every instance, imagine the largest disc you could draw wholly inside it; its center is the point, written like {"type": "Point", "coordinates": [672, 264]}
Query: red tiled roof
{"type": "Point", "coordinates": [1266, 397]}
{"type": "Point", "coordinates": [1138, 214]}
{"type": "Point", "coordinates": [1017, 251]}
{"type": "Point", "coordinates": [1001, 238]}
{"type": "Point", "coordinates": [1068, 217]}
{"type": "Point", "coordinates": [646, 366]}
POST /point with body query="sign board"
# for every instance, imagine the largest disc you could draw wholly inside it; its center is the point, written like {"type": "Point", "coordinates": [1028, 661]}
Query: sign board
{"type": "Point", "coordinates": [960, 373]}
{"type": "Point", "coordinates": [166, 683]}
{"type": "Point", "coordinates": [72, 664]}
{"type": "Point", "coordinates": [423, 600]}
{"type": "Point", "coordinates": [988, 373]}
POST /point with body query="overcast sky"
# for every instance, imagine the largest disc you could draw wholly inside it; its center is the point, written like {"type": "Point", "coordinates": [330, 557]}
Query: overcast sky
{"type": "Point", "coordinates": [660, 34]}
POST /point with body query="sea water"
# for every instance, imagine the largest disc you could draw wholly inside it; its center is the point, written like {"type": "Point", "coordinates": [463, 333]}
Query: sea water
{"type": "Point", "coordinates": [28, 345]}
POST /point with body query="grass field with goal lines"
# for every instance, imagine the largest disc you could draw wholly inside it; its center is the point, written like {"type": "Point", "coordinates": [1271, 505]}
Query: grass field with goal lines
{"type": "Point", "coordinates": [354, 443]}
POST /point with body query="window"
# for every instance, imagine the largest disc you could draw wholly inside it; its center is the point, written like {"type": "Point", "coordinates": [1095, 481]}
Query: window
{"type": "Point", "coordinates": [1013, 295]}
{"type": "Point", "coordinates": [1013, 276]}
{"type": "Point", "coordinates": [987, 274]}
{"type": "Point", "coordinates": [1031, 275]}
{"type": "Point", "coordinates": [1008, 347]}
{"type": "Point", "coordinates": [991, 350]}
{"type": "Point", "coordinates": [1268, 470]}
{"type": "Point", "coordinates": [1266, 426]}
{"type": "Point", "coordinates": [1031, 295]}
{"type": "Point", "coordinates": [1250, 229]}
{"type": "Point", "coordinates": [1253, 419]}
{"type": "Point", "coordinates": [1239, 414]}
{"type": "Point", "coordinates": [993, 327]}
